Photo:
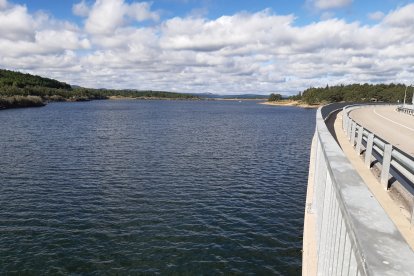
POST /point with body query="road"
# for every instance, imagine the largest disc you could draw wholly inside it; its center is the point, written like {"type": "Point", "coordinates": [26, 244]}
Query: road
{"type": "Point", "coordinates": [394, 127]}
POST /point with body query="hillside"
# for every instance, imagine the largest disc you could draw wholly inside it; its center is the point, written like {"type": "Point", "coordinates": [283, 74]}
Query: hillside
{"type": "Point", "coordinates": [21, 80]}
{"type": "Point", "coordinates": [16, 86]}
{"type": "Point", "coordinates": [389, 93]}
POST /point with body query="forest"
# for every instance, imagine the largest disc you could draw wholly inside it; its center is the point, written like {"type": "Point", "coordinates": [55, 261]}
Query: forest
{"type": "Point", "coordinates": [390, 93]}
{"type": "Point", "coordinates": [20, 90]}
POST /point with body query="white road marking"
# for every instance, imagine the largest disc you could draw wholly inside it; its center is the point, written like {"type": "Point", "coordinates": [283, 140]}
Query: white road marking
{"type": "Point", "coordinates": [409, 128]}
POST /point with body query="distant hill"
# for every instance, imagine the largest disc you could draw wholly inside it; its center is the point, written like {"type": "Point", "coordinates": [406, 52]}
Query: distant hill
{"type": "Point", "coordinates": [245, 96]}
{"type": "Point", "coordinates": [21, 80]}
{"type": "Point", "coordinates": [240, 96]}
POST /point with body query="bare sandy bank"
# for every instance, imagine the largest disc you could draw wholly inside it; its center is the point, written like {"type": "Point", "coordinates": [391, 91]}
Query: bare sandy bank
{"type": "Point", "coordinates": [235, 99]}
{"type": "Point", "coordinates": [120, 98]}
{"type": "Point", "coordinates": [291, 103]}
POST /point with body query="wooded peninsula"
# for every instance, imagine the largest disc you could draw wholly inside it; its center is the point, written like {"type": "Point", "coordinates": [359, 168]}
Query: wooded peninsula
{"type": "Point", "coordinates": [24, 90]}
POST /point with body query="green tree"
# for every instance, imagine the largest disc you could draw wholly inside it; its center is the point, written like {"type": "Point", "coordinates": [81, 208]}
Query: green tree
{"type": "Point", "coordinates": [275, 97]}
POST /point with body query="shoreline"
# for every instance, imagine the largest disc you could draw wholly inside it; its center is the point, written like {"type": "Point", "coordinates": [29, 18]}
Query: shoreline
{"type": "Point", "coordinates": [293, 104]}
{"type": "Point", "coordinates": [234, 99]}
{"type": "Point", "coordinates": [149, 98]}
{"type": "Point", "coordinates": [43, 103]}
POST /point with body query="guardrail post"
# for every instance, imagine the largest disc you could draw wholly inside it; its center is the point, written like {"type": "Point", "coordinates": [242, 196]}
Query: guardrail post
{"type": "Point", "coordinates": [412, 213]}
{"type": "Point", "coordinates": [349, 128]}
{"type": "Point", "coordinates": [345, 119]}
{"type": "Point", "coordinates": [354, 125]}
{"type": "Point", "coordinates": [386, 162]}
{"type": "Point", "coordinates": [368, 150]}
{"type": "Point", "coordinates": [359, 140]}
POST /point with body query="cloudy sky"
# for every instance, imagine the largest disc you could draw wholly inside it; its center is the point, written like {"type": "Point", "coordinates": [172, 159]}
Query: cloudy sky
{"type": "Point", "coordinates": [218, 46]}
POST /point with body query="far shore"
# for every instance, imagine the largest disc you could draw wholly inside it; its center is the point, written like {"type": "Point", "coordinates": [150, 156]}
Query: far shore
{"type": "Point", "coordinates": [32, 101]}
{"type": "Point", "coordinates": [150, 98]}
{"type": "Point", "coordinates": [291, 103]}
{"type": "Point", "coordinates": [192, 99]}
{"type": "Point", "coordinates": [120, 98]}
{"type": "Point", "coordinates": [234, 99]}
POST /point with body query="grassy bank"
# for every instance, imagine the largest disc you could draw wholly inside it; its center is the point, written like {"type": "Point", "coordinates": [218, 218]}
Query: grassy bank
{"type": "Point", "coordinates": [20, 101]}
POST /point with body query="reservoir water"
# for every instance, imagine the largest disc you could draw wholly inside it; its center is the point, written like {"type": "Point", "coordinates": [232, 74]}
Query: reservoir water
{"type": "Point", "coordinates": [147, 187]}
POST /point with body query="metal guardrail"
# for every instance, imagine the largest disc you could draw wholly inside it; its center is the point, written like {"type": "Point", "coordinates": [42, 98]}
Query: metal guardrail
{"type": "Point", "coordinates": [409, 111]}
{"type": "Point", "coordinates": [354, 234]}
{"type": "Point", "coordinates": [394, 162]}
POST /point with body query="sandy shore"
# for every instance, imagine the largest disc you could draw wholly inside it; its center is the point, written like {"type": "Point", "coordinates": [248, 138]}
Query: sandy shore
{"type": "Point", "coordinates": [260, 101]}
{"type": "Point", "coordinates": [233, 99]}
{"type": "Point", "coordinates": [291, 103]}
{"type": "Point", "coordinates": [120, 98]}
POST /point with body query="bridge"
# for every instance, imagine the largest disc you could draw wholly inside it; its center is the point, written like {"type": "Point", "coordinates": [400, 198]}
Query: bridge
{"type": "Point", "coordinates": [359, 206]}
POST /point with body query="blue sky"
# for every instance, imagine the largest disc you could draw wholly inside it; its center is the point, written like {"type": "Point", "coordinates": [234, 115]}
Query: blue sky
{"type": "Point", "coordinates": [212, 9]}
{"type": "Point", "coordinates": [210, 45]}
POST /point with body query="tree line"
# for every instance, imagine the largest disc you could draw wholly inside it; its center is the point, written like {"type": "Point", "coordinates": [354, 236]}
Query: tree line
{"type": "Point", "coordinates": [19, 84]}
{"type": "Point", "coordinates": [20, 80]}
{"type": "Point", "coordinates": [390, 93]}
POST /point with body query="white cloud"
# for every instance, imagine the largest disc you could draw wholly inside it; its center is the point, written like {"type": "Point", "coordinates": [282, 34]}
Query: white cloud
{"type": "Point", "coordinates": [16, 23]}
{"type": "Point", "coordinates": [105, 16]}
{"type": "Point", "coordinates": [227, 31]}
{"type": "Point", "coordinates": [81, 9]}
{"type": "Point", "coordinates": [128, 38]}
{"type": "Point", "coordinates": [245, 52]}
{"type": "Point", "coordinates": [108, 15]}
{"type": "Point", "coordinates": [23, 33]}
{"type": "Point", "coordinates": [52, 40]}
{"type": "Point", "coordinates": [3, 4]}
{"type": "Point", "coordinates": [402, 17]}
{"type": "Point", "coordinates": [329, 4]}
{"type": "Point", "coordinates": [378, 15]}
{"type": "Point", "coordinates": [142, 12]}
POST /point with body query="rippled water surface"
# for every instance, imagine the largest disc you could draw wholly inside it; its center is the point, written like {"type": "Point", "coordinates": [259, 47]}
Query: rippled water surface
{"type": "Point", "coordinates": [170, 187]}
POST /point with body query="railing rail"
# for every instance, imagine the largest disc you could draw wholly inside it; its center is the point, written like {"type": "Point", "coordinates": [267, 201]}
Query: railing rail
{"type": "Point", "coordinates": [394, 162]}
{"type": "Point", "coordinates": [354, 234]}
{"type": "Point", "coordinates": [407, 110]}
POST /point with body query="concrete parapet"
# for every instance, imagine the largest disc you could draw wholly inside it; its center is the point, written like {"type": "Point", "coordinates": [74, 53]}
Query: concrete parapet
{"type": "Point", "coordinates": [353, 234]}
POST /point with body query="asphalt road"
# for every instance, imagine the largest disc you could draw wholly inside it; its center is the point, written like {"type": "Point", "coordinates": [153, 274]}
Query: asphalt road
{"type": "Point", "coordinates": [395, 127]}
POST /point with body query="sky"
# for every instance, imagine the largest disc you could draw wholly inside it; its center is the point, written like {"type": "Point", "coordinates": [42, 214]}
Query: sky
{"type": "Point", "coordinates": [215, 46]}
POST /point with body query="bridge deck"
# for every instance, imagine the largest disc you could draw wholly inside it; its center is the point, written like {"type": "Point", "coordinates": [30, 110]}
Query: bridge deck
{"type": "Point", "coordinates": [395, 127]}
{"type": "Point", "coordinates": [396, 212]}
